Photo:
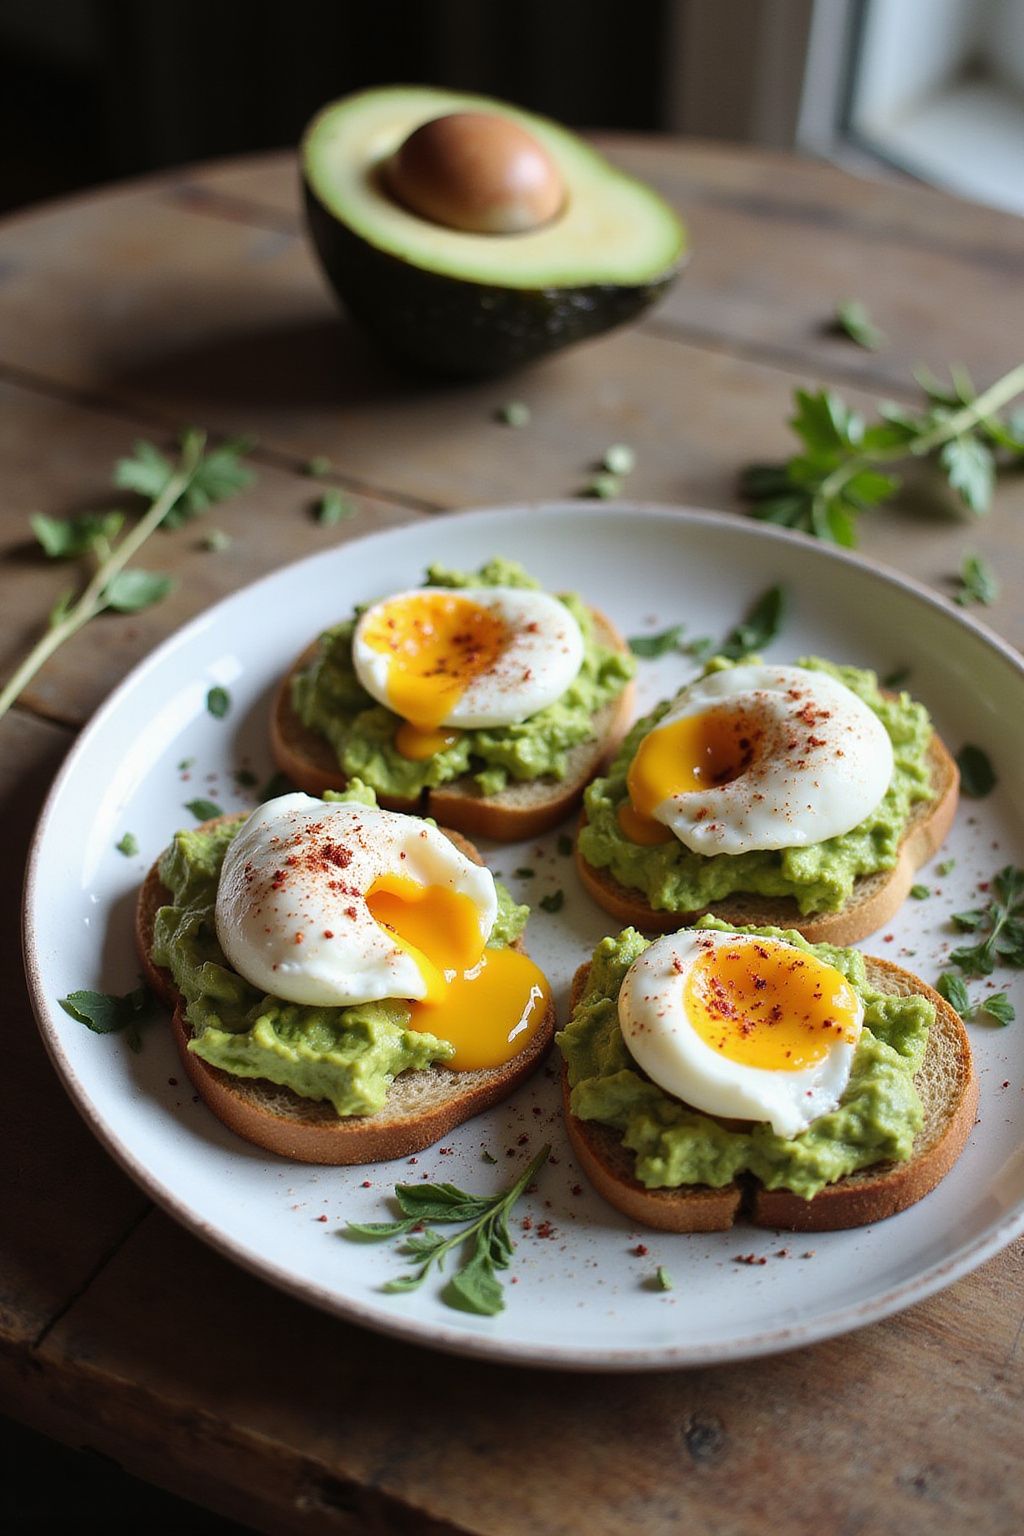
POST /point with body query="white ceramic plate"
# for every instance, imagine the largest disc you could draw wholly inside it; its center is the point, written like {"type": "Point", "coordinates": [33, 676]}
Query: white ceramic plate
{"type": "Point", "coordinates": [583, 1291]}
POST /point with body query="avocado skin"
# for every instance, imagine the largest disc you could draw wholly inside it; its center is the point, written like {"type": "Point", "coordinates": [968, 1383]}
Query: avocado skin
{"type": "Point", "coordinates": [463, 329]}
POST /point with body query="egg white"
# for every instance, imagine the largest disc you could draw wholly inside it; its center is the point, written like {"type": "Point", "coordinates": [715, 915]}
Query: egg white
{"type": "Point", "coordinates": [805, 784]}
{"type": "Point", "coordinates": [542, 658]}
{"type": "Point", "coordinates": [263, 901]}
{"type": "Point", "coordinates": [663, 1043]}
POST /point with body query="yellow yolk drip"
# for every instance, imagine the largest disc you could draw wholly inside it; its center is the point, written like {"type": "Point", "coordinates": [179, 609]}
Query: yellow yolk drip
{"type": "Point", "coordinates": [417, 744]}
{"type": "Point", "coordinates": [437, 642]}
{"type": "Point", "coordinates": [489, 1003]}
{"type": "Point", "coordinates": [696, 753]}
{"type": "Point", "coordinates": [763, 1005]}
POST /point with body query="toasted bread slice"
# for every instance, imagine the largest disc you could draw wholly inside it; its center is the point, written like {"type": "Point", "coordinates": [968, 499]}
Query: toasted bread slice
{"type": "Point", "coordinates": [523, 809]}
{"type": "Point", "coordinates": [948, 1088]}
{"type": "Point", "coordinates": [874, 900]}
{"type": "Point", "coordinates": [421, 1106]}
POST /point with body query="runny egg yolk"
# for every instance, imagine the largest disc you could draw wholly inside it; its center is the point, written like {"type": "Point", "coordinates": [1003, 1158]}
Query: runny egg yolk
{"type": "Point", "coordinates": [698, 752]}
{"type": "Point", "coordinates": [770, 1006]}
{"type": "Point", "coordinates": [488, 1003]}
{"type": "Point", "coordinates": [437, 642]}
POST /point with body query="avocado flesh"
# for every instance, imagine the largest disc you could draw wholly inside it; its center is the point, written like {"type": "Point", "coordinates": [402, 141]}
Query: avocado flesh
{"type": "Point", "coordinates": [476, 304]}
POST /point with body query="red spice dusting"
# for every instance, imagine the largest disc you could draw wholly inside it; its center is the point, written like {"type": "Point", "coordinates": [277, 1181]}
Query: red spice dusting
{"type": "Point", "coordinates": [522, 1140]}
{"type": "Point", "coordinates": [577, 1189]}
{"type": "Point", "coordinates": [367, 1184]}
{"type": "Point", "coordinates": [749, 1258]}
{"type": "Point", "coordinates": [640, 1250]}
{"type": "Point", "coordinates": [328, 933]}
{"type": "Point", "coordinates": [527, 1224]}
{"type": "Point", "coordinates": [321, 1218]}
{"type": "Point", "coordinates": [546, 1229]}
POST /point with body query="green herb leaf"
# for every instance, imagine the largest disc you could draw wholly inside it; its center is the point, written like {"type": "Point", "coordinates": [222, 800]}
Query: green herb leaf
{"type": "Point", "coordinates": [132, 590]}
{"type": "Point", "coordinates": [759, 628]}
{"type": "Point", "coordinates": [564, 844]}
{"type": "Point", "coordinates": [318, 465]}
{"type": "Point", "coordinates": [996, 1005]}
{"type": "Point", "coordinates": [488, 1157]}
{"type": "Point", "coordinates": [376, 1231]}
{"type": "Point", "coordinates": [220, 473]}
{"type": "Point", "coordinates": [852, 319]}
{"type": "Point", "coordinates": [950, 986]}
{"type": "Point", "coordinates": [475, 1287]}
{"type": "Point", "coordinates": [663, 1278]}
{"type": "Point", "coordinates": [604, 486]}
{"type": "Point", "coordinates": [332, 508]}
{"type": "Point", "coordinates": [1003, 919]}
{"type": "Point", "coordinates": [68, 538]}
{"type": "Point", "coordinates": [945, 868]}
{"type": "Point", "coordinates": [650, 646]}
{"type": "Point", "coordinates": [515, 413]}
{"type": "Point", "coordinates": [439, 1202]}
{"type": "Point", "coordinates": [978, 583]}
{"type": "Point", "coordinates": [971, 471]}
{"type": "Point", "coordinates": [920, 892]}
{"type": "Point", "coordinates": [218, 702]}
{"type": "Point", "coordinates": [524, 873]}
{"type": "Point", "coordinates": [977, 776]}
{"type": "Point", "coordinates": [203, 810]}
{"type": "Point", "coordinates": [106, 1014]}
{"type": "Point", "coordinates": [216, 540]}
{"type": "Point", "coordinates": [553, 901]}
{"type": "Point", "coordinates": [129, 845]}
{"type": "Point", "coordinates": [619, 459]}
{"type": "Point", "coordinates": [999, 1007]}
{"type": "Point", "coordinates": [896, 678]}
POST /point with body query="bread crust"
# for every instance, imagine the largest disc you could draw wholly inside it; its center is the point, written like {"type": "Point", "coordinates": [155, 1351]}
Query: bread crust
{"type": "Point", "coordinates": [949, 1090]}
{"type": "Point", "coordinates": [309, 1130]}
{"type": "Point", "coordinates": [875, 897]}
{"type": "Point", "coordinates": [521, 810]}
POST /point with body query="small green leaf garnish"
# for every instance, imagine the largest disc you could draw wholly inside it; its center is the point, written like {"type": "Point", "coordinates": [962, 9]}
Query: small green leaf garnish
{"type": "Point", "coordinates": [553, 901]}
{"type": "Point", "coordinates": [524, 873]}
{"type": "Point", "coordinates": [129, 845]}
{"type": "Point", "coordinates": [852, 319]}
{"type": "Point", "coordinates": [619, 459]}
{"type": "Point", "coordinates": [488, 1157]}
{"type": "Point", "coordinates": [920, 892]}
{"type": "Point", "coordinates": [1002, 922]}
{"type": "Point", "coordinates": [564, 844]}
{"type": "Point", "coordinates": [106, 1014]}
{"type": "Point", "coordinates": [132, 590]}
{"type": "Point", "coordinates": [68, 538]}
{"type": "Point", "coordinates": [997, 1006]}
{"type": "Point", "coordinates": [945, 868]}
{"type": "Point", "coordinates": [185, 764]}
{"type": "Point", "coordinates": [515, 413]}
{"type": "Point", "coordinates": [475, 1287]}
{"type": "Point", "coordinates": [896, 678]}
{"type": "Point", "coordinates": [978, 582]}
{"type": "Point", "coordinates": [216, 541]}
{"type": "Point", "coordinates": [220, 472]}
{"type": "Point", "coordinates": [318, 465]}
{"type": "Point", "coordinates": [332, 508]}
{"type": "Point", "coordinates": [650, 646]}
{"type": "Point", "coordinates": [218, 702]}
{"type": "Point", "coordinates": [604, 486]}
{"type": "Point", "coordinates": [203, 810]}
{"type": "Point", "coordinates": [663, 1278]}
{"type": "Point", "coordinates": [759, 628]}
{"type": "Point", "coordinates": [977, 776]}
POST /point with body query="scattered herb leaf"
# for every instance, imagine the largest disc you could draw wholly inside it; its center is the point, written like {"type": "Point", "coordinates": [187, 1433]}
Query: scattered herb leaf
{"type": "Point", "coordinates": [650, 646]}
{"type": "Point", "coordinates": [475, 1287]}
{"type": "Point", "coordinates": [524, 873]}
{"type": "Point", "coordinates": [663, 1278]}
{"type": "Point", "coordinates": [515, 413]}
{"type": "Point", "coordinates": [106, 1014]}
{"type": "Point", "coordinates": [332, 508]}
{"type": "Point", "coordinates": [1002, 922]}
{"type": "Point", "coordinates": [216, 541]}
{"type": "Point", "coordinates": [997, 1006]}
{"type": "Point", "coordinates": [977, 776]}
{"type": "Point", "coordinates": [219, 473]}
{"type": "Point", "coordinates": [203, 810]}
{"type": "Point", "coordinates": [564, 844]}
{"type": "Point", "coordinates": [619, 459]}
{"type": "Point", "coordinates": [132, 590]}
{"type": "Point", "coordinates": [896, 678]}
{"type": "Point", "coordinates": [760, 626]}
{"type": "Point", "coordinates": [185, 764]}
{"type": "Point", "coordinates": [218, 702]}
{"type": "Point", "coordinates": [920, 892]}
{"type": "Point", "coordinates": [129, 845]}
{"type": "Point", "coordinates": [553, 901]}
{"type": "Point", "coordinates": [488, 1157]}
{"type": "Point", "coordinates": [318, 465]}
{"type": "Point", "coordinates": [68, 538]}
{"type": "Point", "coordinates": [852, 319]}
{"type": "Point", "coordinates": [604, 486]}
{"type": "Point", "coordinates": [978, 583]}
{"type": "Point", "coordinates": [945, 868]}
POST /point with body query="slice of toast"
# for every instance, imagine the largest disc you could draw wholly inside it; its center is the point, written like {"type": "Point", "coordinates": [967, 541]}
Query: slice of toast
{"type": "Point", "coordinates": [421, 1106]}
{"type": "Point", "coordinates": [522, 809]}
{"type": "Point", "coordinates": [874, 900]}
{"type": "Point", "coordinates": [948, 1088]}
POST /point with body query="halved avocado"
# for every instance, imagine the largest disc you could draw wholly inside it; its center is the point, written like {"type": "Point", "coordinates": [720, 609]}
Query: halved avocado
{"type": "Point", "coordinates": [477, 304]}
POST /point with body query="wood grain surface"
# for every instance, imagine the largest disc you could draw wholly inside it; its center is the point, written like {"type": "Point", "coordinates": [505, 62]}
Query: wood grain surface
{"type": "Point", "coordinates": [192, 298]}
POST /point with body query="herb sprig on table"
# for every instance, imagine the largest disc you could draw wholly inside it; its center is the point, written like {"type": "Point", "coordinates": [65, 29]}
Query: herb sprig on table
{"type": "Point", "coordinates": [758, 628]}
{"type": "Point", "coordinates": [475, 1287]}
{"type": "Point", "coordinates": [176, 491]}
{"type": "Point", "coordinates": [842, 466]}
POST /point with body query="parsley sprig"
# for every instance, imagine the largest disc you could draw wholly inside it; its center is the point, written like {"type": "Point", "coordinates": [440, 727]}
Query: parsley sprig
{"type": "Point", "coordinates": [997, 1005]}
{"type": "Point", "coordinates": [475, 1287]}
{"type": "Point", "coordinates": [841, 469]}
{"type": "Point", "coordinates": [177, 491]}
{"type": "Point", "coordinates": [1001, 923]}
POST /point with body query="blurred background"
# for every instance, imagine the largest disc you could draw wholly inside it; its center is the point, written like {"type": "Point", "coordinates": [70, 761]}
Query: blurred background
{"type": "Point", "coordinates": [112, 88]}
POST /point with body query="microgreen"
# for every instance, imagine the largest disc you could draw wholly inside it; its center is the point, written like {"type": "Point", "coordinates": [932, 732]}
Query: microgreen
{"type": "Point", "coordinates": [218, 702]}
{"type": "Point", "coordinates": [840, 468]}
{"type": "Point", "coordinates": [997, 1005]}
{"type": "Point", "coordinates": [1001, 923]}
{"type": "Point", "coordinates": [851, 319]}
{"type": "Point", "coordinates": [978, 582]}
{"type": "Point", "coordinates": [977, 776]}
{"type": "Point", "coordinates": [129, 845]}
{"type": "Point", "coordinates": [106, 1014]}
{"type": "Point", "coordinates": [475, 1287]}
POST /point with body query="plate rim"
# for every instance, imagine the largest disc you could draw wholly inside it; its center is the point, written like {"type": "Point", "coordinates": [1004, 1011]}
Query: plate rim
{"type": "Point", "coordinates": [927, 1282]}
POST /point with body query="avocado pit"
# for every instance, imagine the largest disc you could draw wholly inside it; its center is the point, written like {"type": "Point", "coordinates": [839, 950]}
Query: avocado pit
{"type": "Point", "coordinates": [478, 172]}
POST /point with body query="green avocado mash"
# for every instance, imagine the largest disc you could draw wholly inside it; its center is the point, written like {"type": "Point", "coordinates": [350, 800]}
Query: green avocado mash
{"type": "Point", "coordinates": [328, 697]}
{"type": "Point", "coordinates": [819, 877]}
{"type": "Point", "coordinates": [347, 1055]}
{"type": "Point", "coordinates": [875, 1121]}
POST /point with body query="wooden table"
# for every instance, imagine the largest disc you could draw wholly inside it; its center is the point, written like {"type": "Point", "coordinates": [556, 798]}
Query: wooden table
{"type": "Point", "coordinates": [193, 297]}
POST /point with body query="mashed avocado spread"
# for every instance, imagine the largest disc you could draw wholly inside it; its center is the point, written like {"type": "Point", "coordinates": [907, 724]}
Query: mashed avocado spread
{"type": "Point", "coordinates": [328, 698]}
{"type": "Point", "coordinates": [347, 1055]}
{"type": "Point", "coordinates": [876, 1120]}
{"type": "Point", "coordinates": [819, 877]}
